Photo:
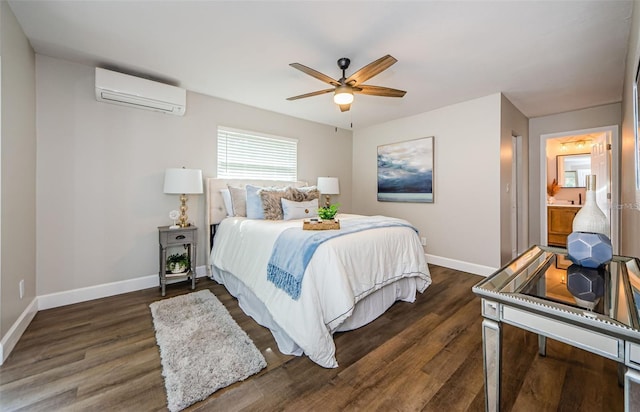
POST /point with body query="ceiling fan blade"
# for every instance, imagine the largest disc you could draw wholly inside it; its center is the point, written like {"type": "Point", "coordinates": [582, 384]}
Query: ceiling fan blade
{"type": "Point", "coordinates": [371, 70]}
{"type": "Point", "coordinates": [379, 91]}
{"type": "Point", "coordinates": [318, 93]}
{"type": "Point", "coordinates": [315, 73]}
{"type": "Point", "coordinates": [345, 107]}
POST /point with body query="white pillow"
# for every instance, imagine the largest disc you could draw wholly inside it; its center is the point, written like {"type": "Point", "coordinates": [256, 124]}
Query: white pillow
{"type": "Point", "coordinates": [226, 198]}
{"type": "Point", "coordinates": [299, 210]}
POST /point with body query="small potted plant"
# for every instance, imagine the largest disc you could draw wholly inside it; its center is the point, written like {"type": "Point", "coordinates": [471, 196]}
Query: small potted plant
{"type": "Point", "coordinates": [178, 263]}
{"type": "Point", "coordinates": [328, 213]}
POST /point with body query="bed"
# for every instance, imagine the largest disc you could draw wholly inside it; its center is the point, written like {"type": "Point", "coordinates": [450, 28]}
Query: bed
{"type": "Point", "coordinates": [349, 281]}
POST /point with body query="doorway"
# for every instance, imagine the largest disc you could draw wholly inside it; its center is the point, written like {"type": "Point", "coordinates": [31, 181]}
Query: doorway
{"type": "Point", "coordinates": [602, 146]}
{"type": "Point", "coordinates": [519, 233]}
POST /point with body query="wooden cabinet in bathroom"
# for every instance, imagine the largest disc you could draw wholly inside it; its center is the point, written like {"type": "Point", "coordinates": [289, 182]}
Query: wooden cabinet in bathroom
{"type": "Point", "coordinates": [559, 224]}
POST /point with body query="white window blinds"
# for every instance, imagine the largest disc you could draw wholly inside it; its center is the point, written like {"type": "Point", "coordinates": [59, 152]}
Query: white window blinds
{"type": "Point", "coordinates": [250, 155]}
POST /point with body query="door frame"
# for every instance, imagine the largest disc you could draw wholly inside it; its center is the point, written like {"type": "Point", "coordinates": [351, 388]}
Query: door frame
{"type": "Point", "coordinates": [615, 180]}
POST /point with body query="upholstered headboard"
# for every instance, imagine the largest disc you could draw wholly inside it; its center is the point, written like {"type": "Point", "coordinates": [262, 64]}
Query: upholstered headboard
{"type": "Point", "coordinates": [215, 210]}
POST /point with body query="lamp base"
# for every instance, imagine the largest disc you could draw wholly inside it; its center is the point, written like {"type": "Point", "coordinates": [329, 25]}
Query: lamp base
{"type": "Point", "coordinates": [183, 220]}
{"type": "Point", "coordinates": [327, 201]}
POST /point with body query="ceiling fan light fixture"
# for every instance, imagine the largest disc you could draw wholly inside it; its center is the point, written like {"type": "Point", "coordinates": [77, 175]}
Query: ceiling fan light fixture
{"type": "Point", "coordinates": [343, 95]}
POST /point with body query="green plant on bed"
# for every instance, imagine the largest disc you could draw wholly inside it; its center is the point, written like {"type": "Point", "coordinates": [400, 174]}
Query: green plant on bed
{"type": "Point", "coordinates": [178, 262]}
{"type": "Point", "coordinates": [328, 213]}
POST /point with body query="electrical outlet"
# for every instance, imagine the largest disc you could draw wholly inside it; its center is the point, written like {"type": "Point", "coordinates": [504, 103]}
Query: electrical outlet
{"type": "Point", "coordinates": [21, 285]}
{"type": "Point", "coordinates": [423, 240]}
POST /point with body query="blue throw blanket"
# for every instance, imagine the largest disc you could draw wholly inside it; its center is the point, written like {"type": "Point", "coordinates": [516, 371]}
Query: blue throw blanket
{"type": "Point", "coordinates": [294, 248]}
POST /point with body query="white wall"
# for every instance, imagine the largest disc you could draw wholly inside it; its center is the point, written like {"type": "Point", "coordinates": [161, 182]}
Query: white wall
{"type": "Point", "coordinates": [462, 226]}
{"type": "Point", "coordinates": [18, 172]}
{"type": "Point", "coordinates": [101, 167]}
{"type": "Point", "coordinates": [630, 212]}
{"type": "Point", "coordinates": [606, 115]}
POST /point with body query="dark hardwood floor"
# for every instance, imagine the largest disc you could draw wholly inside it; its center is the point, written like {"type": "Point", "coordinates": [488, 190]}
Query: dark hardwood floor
{"type": "Point", "coordinates": [425, 356]}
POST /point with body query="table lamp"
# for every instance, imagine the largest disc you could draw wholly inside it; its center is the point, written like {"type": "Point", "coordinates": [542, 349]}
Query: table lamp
{"type": "Point", "coordinates": [328, 186]}
{"type": "Point", "coordinates": [183, 182]}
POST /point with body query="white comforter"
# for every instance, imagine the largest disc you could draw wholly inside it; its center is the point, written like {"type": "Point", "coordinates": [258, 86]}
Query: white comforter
{"type": "Point", "coordinates": [342, 271]}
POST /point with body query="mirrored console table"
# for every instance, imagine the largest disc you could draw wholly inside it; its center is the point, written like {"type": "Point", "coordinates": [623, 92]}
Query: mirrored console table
{"type": "Point", "coordinates": [543, 292]}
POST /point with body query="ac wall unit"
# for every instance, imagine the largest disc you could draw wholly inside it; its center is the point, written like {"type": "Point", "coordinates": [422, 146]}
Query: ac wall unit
{"type": "Point", "coordinates": [126, 90]}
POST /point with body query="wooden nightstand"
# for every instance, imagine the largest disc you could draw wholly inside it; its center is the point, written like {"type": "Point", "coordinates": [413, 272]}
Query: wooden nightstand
{"type": "Point", "coordinates": [185, 237]}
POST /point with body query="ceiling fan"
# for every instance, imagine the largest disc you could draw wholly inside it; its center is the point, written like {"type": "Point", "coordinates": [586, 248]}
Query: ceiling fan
{"type": "Point", "coordinates": [344, 88]}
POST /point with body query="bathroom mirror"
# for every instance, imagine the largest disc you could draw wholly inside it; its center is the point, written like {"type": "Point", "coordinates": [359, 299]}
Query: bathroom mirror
{"type": "Point", "coordinates": [573, 169]}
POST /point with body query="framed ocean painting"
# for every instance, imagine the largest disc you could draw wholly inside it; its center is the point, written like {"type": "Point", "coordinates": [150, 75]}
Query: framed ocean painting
{"type": "Point", "coordinates": [405, 171]}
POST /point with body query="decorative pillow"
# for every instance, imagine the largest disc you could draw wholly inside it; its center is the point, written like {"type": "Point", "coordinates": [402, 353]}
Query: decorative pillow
{"type": "Point", "coordinates": [238, 200]}
{"type": "Point", "coordinates": [301, 194]}
{"type": "Point", "coordinates": [271, 205]}
{"type": "Point", "coordinates": [299, 210]}
{"type": "Point", "coordinates": [226, 198]}
{"type": "Point", "coordinates": [254, 204]}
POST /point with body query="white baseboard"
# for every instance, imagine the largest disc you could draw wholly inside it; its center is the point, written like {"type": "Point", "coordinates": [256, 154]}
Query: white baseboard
{"type": "Point", "coordinates": [68, 297]}
{"type": "Point", "coordinates": [54, 300]}
{"type": "Point", "coordinates": [460, 265]}
{"type": "Point", "coordinates": [12, 336]}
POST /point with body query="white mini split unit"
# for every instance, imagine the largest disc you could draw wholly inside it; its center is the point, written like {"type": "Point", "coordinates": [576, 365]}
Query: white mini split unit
{"type": "Point", "coordinates": [125, 90]}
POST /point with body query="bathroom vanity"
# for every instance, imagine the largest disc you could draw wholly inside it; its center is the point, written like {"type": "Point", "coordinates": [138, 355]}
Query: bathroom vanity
{"type": "Point", "coordinates": [560, 223]}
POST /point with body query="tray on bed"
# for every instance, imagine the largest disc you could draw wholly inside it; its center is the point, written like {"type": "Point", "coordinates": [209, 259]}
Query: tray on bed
{"type": "Point", "coordinates": [320, 225]}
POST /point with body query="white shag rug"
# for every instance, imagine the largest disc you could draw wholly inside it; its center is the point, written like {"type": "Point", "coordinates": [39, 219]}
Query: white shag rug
{"type": "Point", "coordinates": [201, 347]}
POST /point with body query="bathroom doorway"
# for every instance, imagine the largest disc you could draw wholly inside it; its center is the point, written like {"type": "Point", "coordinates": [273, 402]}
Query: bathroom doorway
{"type": "Point", "coordinates": [567, 157]}
{"type": "Point", "coordinates": [519, 232]}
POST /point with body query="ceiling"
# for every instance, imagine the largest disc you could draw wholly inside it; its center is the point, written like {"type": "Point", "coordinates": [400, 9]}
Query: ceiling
{"type": "Point", "coordinates": [545, 56]}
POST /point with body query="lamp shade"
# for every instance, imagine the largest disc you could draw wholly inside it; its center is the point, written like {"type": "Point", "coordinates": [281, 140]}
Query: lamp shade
{"type": "Point", "coordinates": [329, 185]}
{"type": "Point", "coordinates": [183, 181]}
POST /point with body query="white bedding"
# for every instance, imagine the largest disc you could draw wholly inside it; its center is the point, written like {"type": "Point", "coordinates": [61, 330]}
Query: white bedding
{"type": "Point", "coordinates": [342, 272]}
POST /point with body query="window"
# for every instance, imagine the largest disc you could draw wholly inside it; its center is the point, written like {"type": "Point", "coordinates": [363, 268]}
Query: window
{"type": "Point", "coordinates": [250, 155]}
